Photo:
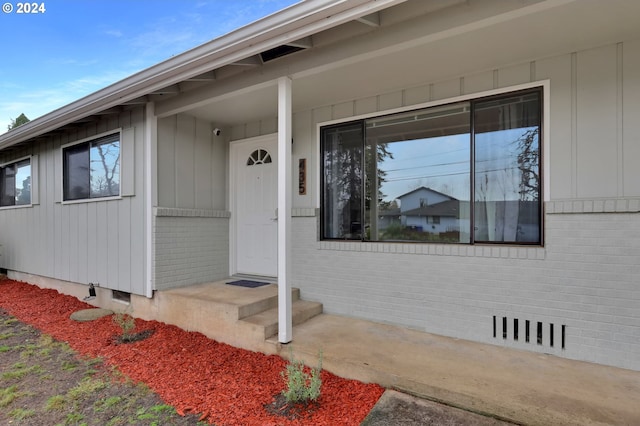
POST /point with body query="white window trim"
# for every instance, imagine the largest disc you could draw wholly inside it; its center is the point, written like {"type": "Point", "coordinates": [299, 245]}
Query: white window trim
{"type": "Point", "coordinates": [60, 190]}
{"type": "Point", "coordinates": [546, 111]}
{"type": "Point", "coordinates": [34, 185]}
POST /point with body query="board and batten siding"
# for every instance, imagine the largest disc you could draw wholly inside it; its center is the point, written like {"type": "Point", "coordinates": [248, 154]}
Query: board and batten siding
{"type": "Point", "coordinates": [191, 223]}
{"type": "Point", "coordinates": [583, 281]}
{"type": "Point", "coordinates": [99, 241]}
{"type": "Point", "coordinates": [594, 101]}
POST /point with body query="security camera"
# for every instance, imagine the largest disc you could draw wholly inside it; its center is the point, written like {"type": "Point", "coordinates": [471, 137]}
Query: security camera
{"type": "Point", "coordinates": [217, 131]}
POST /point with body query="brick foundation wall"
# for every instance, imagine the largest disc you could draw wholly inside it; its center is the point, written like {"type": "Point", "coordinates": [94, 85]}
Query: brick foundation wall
{"type": "Point", "coordinates": [583, 284]}
{"type": "Point", "coordinates": [191, 247]}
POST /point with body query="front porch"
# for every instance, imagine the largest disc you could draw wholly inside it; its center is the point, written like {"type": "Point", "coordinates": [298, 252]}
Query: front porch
{"type": "Point", "coordinates": [509, 384]}
{"type": "Point", "coordinates": [240, 316]}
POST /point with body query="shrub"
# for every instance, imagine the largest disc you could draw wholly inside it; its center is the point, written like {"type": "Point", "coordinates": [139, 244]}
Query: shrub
{"type": "Point", "coordinates": [126, 323]}
{"type": "Point", "coordinates": [302, 384]}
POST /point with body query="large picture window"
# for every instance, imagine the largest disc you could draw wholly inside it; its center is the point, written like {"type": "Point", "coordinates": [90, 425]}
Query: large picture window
{"type": "Point", "coordinates": [15, 183]}
{"type": "Point", "coordinates": [92, 169]}
{"type": "Point", "coordinates": [467, 172]}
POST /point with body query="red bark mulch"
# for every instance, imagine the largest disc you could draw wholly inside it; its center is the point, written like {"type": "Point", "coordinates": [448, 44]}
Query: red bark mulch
{"type": "Point", "coordinates": [226, 385]}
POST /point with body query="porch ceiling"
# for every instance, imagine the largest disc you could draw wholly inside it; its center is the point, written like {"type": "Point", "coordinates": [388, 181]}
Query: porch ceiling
{"type": "Point", "coordinates": [481, 45]}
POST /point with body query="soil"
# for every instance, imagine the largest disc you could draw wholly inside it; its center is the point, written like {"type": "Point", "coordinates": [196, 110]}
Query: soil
{"type": "Point", "coordinates": [133, 337]}
{"type": "Point", "coordinates": [292, 411]}
{"type": "Point", "coordinates": [44, 382]}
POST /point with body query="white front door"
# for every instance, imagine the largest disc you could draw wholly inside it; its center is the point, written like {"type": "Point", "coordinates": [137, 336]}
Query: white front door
{"type": "Point", "coordinates": [255, 168]}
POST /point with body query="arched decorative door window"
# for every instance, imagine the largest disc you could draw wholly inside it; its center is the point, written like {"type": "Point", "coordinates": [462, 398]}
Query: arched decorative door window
{"type": "Point", "coordinates": [259, 156]}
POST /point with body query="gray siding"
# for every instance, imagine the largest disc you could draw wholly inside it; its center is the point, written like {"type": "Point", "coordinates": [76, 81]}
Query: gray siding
{"type": "Point", "coordinates": [593, 138]}
{"type": "Point", "coordinates": [592, 145]}
{"type": "Point", "coordinates": [191, 225]}
{"type": "Point", "coordinates": [96, 241]}
{"type": "Point", "coordinates": [192, 171]}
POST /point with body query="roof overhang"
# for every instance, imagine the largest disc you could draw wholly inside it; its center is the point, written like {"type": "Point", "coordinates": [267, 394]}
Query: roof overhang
{"type": "Point", "coordinates": [224, 80]}
{"type": "Point", "coordinates": [287, 26]}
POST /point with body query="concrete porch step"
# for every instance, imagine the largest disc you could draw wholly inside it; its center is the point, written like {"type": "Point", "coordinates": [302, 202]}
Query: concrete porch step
{"type": "Point", "coordinates": [266, 322]}
{"type": "Point", "coordinates": [267, 302]}
{"type": "Point", "coordinates": [240, 316]}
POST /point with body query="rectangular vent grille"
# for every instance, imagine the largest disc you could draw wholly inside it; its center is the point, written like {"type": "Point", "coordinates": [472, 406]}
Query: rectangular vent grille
{"type": "Point", "coordinates": [533, 332]}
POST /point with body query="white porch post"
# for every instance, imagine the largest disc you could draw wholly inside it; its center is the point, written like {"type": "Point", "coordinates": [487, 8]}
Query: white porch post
{"type": "Point", "coordinates": [285, 333]}
{"type": "Point", "coordinates": [150, 185]}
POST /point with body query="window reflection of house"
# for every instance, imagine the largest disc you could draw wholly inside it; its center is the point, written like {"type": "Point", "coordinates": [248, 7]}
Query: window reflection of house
{"type": "Point", "coordinates": [429, 211]}
{"type": "Point", "coordinates": [388, 218]}
{"type": "Point", "coordinates": [434, 218]}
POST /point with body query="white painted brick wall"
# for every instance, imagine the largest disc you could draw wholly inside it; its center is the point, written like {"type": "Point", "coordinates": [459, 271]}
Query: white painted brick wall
{"type": "Point", "coordinates": [587, 277]}
{"type": "Point", "coordinates": [190, 250]}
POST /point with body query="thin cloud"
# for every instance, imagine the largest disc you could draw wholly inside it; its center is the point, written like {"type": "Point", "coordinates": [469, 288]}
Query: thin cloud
{"type": "Point", "coordinates": [71, 62]}
{"type": "Point", "coordinates": [162, 42]}
{"type": "Point", "coordinates": [114, 33]}
{"type": "Point", "coordinates": [36, 103]}
{"type": "Point", "coordinates": [90, 84]}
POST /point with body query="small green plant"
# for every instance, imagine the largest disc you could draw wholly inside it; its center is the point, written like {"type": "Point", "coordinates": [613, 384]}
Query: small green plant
{"type": "Point", "coordinates": [56, 402]}
{"type": "Point", "coordinates": [104, 404]}
{"type": "Point", "coordinates": [86, 387]}
{"type": "Point", "coordinates": [20, 370]}
{"type": "Point", "coordinates": [73, 418]}
{"type": "Point", "coordinates": [302, 384]}
{"type": "Point", "coordinates": [8, 395]}
{"type": "Point", "coordinates": [28, 350]}
{"type": "Point", "coordinates": [163, 408]}
{"type": "Point", "coordinates": [126, 323]}
{"type": "Point", "coordinates": [90, 364]}
{"type": "Point", "coordinates": [4, 336]}
{"type": "Point", "coordinates": [22, 413]}
{"type": "Point", "coordinates": [69, 365]}
{"type": "Point", "coordinates": [46, 340]}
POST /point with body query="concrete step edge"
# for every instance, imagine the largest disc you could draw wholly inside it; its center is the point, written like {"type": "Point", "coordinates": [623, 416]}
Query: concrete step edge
{"type": "Point", "coordinates": [302, 310]}
{"type": "Point", "coordinates": [271, 302]}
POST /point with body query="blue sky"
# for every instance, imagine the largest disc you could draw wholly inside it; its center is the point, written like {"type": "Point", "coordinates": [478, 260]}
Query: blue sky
{"type": "Point", "coordinates": [77, 47]}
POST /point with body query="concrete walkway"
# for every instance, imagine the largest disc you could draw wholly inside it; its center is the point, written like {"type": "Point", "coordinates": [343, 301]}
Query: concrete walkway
{"type": "Point", "coordinates": [518, 386]}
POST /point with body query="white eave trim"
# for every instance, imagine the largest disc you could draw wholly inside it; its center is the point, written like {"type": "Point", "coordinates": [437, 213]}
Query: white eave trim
{"type": "Point", "coordinates": [293, 23]}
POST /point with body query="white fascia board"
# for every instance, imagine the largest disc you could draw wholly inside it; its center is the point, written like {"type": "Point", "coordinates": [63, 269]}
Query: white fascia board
{"type": "Point", "coordinates": [290, 24]}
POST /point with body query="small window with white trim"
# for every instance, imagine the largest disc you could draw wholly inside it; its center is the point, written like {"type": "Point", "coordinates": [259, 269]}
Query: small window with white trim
{"type": "Point", "coordinates": [92, 169]}
{"type": "Point", "coordinates": [15, 183]}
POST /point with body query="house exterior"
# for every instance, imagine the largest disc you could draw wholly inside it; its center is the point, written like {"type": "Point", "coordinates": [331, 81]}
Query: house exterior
{"type": "Point", "coordinates": [431, 212]}
{"type": "Point", "coordinates": [271, 151]}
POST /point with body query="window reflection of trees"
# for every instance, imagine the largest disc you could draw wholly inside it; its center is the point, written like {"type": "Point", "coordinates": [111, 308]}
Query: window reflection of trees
{"type": "Point", "coordinates": [105, 169]}
{"type": "Point", "coordinates": [15, 181]}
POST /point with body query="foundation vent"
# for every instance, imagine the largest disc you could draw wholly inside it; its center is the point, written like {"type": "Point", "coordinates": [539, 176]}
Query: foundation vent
{"type": "Point", "coordinates": [121, 296]}
{"type": "Point", "coordinates": [530, 332]}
